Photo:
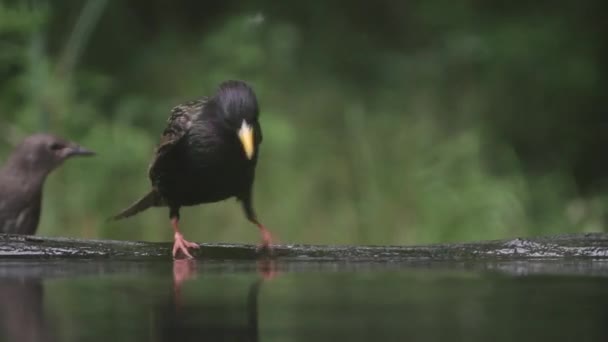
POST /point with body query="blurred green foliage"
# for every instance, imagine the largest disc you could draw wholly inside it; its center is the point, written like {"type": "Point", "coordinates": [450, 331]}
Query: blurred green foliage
{"type": "Point", "coordinates": [397, 122]}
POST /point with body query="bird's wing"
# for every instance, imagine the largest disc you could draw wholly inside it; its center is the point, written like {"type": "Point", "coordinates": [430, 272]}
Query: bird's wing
{"type": "Point", "coordinates": [19, 209]}
{"type": "Point", "coordinates": [7, 210]}
{"type": "Point", "coordinates": [178, 124]}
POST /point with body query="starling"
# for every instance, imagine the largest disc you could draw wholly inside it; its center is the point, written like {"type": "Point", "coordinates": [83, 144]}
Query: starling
{"type": "Point", "coordinates": [207, 153]}
{"type": "Point", "coordinates": [22, 179]}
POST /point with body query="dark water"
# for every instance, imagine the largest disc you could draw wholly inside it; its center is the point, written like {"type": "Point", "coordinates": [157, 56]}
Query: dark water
{"type": "Point", "coordinates": [415, 301]}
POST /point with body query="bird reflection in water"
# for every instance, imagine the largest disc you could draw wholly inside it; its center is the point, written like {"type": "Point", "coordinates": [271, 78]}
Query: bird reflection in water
{"type": "Point", "coordinates": [178, 314]}
{"type": "Point", "coordinates": [214, 320]}
{"type": "Point", "coordinates": [22, 316]}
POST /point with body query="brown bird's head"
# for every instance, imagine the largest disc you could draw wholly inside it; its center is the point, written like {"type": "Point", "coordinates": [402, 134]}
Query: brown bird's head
{"type": "Point", "coordinates": [42, 153]}
{"type": "Point", "coordinates": [239, 106]}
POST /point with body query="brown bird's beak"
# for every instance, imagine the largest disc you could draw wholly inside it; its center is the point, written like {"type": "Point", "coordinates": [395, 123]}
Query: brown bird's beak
{"type": "Point", "coordinates": [76, 150]}
{"type": "Point", "coordinates": [246, 137]}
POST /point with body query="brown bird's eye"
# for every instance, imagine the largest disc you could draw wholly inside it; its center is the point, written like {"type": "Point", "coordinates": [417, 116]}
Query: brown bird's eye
{"type": "Point", "coordinates": [56, 146]}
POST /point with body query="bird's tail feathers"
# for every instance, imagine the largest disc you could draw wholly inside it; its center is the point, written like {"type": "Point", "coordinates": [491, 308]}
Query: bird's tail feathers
{"type": "Point", "coordinates": [151, 199]}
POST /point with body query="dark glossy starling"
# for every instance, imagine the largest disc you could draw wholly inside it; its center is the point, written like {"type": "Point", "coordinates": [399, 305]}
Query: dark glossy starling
{"type": "Point", "coordinates": [207, 153]}
{"type": "Point", "coordinates": [22, 179]}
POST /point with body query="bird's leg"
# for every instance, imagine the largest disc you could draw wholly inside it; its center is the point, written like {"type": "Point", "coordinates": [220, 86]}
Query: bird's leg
{"type": "Point", "coordinates": [180, 244]}
{"type": "Point", "coordinates": [266, 235]}
{"type": "Point", "coordinates": [251, 216]}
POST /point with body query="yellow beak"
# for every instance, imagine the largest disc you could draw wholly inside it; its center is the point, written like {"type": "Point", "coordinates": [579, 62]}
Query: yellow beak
{"type": "Point", "coordinates": [246, 137]}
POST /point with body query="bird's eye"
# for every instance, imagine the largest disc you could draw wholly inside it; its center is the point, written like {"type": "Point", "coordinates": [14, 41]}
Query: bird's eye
{"type": "Point", "coordinates": [56, 146]}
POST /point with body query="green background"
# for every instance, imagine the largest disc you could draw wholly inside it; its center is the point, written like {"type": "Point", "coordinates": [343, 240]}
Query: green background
{"type": "Point", "coordinates": [384, 122]}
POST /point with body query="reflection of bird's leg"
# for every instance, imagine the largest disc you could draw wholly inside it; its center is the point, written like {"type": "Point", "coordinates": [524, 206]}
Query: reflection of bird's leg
{"type": "Point", "coordinates": [252, 310]}
{"type": "Point", "coordinates": [267, 268]}
{"type": "Point", "coordinates": [183, 270]}
{"type": "Point", "coordinates": [180, 244]}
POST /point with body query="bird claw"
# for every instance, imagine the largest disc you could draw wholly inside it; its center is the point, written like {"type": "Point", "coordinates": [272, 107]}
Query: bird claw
{"type": "Point", "coordinates": [182, 245]}
{"type": "Point", "coordinates": [263, 246]}
{"type": "Point", "coordinates": [266, 243]}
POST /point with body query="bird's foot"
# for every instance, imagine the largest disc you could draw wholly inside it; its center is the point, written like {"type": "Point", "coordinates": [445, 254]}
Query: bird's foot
{"type": "Point", "coordinates": [266, 239]}
{"type": "Point", "coordinates": [182, 245]}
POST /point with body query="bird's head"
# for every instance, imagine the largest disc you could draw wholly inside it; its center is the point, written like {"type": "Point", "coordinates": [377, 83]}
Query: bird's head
{"type": "Point", "coordinates": [239, 107]}
{"type": "Point", "coordinates": [44, 152]}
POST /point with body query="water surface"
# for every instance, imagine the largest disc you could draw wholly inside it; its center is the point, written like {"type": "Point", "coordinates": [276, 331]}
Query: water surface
{"type": "Point", "coordinates": [86, 300]}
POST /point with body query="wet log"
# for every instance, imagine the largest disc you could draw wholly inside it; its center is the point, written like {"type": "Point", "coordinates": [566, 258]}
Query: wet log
{"type": "Point", "coordinates": [570, 246]}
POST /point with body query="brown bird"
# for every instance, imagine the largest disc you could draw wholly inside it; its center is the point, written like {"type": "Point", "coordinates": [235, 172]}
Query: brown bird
{"type": "Point", "coordinates": [207, 153]}
{"type": "Point", "coordinates": [22, 179]}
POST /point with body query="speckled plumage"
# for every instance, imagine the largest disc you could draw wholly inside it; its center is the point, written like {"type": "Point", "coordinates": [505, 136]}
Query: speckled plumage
{"type": "Point", "coordinates": [200, 159]}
